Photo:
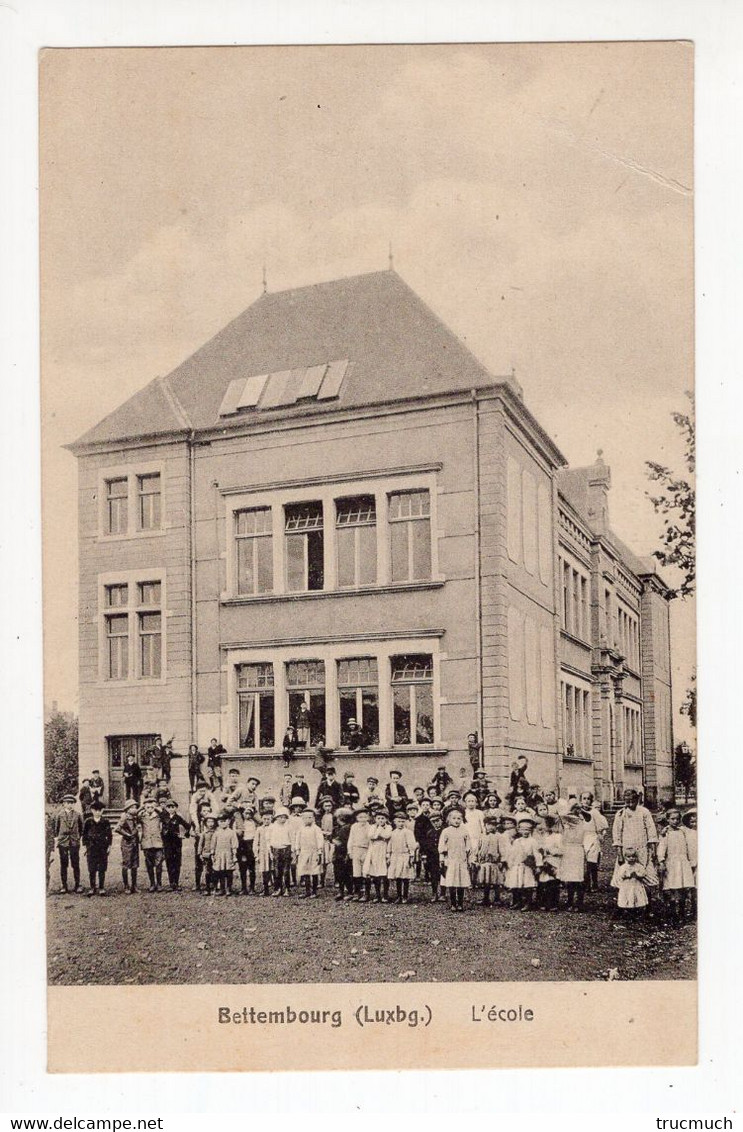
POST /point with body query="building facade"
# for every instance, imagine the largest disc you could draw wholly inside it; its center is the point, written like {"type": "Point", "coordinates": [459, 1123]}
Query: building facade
{"type": "Point", "coordinates": [332, 511]}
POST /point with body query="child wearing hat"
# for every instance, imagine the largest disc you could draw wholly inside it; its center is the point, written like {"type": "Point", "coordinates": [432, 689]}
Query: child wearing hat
{"type": "Point", "coordinates": [358, 846]}
{"type": "Point", "coordinates": [378, 856]}
{"type": "Point", "coordinates": [454, 853]}
{"type": "Point", "coordinates": [281, 852]}
{"type": "Point", "coordinates": [395, 794]}
{"type": "Point", "coordinates": [206, 840]}
{"type": "Point", "coordinates": [262, 851]}
{"type": "Point", "coordinates": [300, 789]}
{"type": "Point", "coordinates": [68, 832]}
{"type": "Point", "coordinates": [573, 865]}
{"type": "Point", "coordinates": [285, 790]}
{"type": "Point", "coordinates": [97, 838]}
{"type": "Point", "coordinates": [441, 780]}
{"type": "Point", "coordinates": [224, 854]}
{"type": "Point", "coordinates": [342, 867]}
{"type": "Point", "coordinates": [174, 829]}
{"type": "Point", "coordinates": [488, 862]}
{"type": "Point", "coordinates": [524, 859]}
{"type": "Point", "coordinates": [128, 831]}
{"type": "Point", "coordinates": [403, 850]}
{"type": "Point", "coordinates": [293, 825]}
{"type": "Point", "coordinates": [151, 840]}
{"type": "Point", "coordinates": [506, 836]}
{"type": "Point", "coordinates": [675, 867]}
{"type": "Point", "coordinates": [371, 796]}
{"type": "Point", "coordinates": [428, 838]}
{"type": "Point", "coordinates": [327, 828]}
{"type": "Point", "coordinates": [308, 853]}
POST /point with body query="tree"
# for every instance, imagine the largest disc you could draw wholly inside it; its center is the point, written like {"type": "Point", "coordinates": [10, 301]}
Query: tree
{"type": "Point", "coordinates": [60, 754]}
{"type": "Point", "coordinates": [689, 706]}
{"type": "Point", "coordinates": [686, 771]}
{"type": "Point", "coordinates": [676, 502]}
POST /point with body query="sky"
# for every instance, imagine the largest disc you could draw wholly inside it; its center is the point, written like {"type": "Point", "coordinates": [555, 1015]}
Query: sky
{"type": "Point", "coordinates": [537, 197]}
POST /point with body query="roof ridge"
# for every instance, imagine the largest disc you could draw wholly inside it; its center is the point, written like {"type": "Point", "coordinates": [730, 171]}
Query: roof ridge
{"type": "Point", "coordinates": [174, 403]}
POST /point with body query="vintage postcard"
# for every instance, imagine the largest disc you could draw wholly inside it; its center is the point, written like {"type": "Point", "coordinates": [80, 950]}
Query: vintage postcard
{"type": "Point", "coordinates": [368, 505]}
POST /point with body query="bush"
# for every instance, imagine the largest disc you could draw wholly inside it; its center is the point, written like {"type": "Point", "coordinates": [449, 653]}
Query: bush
{"type": "Point", "coordinates": [60, 755]}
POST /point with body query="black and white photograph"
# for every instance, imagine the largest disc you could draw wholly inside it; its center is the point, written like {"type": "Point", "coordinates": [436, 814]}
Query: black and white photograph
{"type": "Point", "coordinates": [368, 448]}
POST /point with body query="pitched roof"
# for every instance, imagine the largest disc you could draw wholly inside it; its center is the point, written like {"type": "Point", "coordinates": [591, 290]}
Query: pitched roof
{"type": "Point", "coordinates": [396, 346]}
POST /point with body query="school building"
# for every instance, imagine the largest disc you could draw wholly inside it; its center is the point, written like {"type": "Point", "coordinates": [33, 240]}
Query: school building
{"type": "Point", "coordinates": [333, 511]}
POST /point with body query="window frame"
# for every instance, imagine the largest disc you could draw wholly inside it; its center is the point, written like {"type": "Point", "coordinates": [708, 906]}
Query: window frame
{"type": "Point", "coordinates": [133, 474]}
{"type": "Point", "coordinates": [357, 528]}
{"type": "Point", "coordinates": [135, 608]}
{"type": "Point", "coordinates": [410, 520]}
{"type": "Point", "coordinates": [359, 687]}
{"type": "Point", "coordinates": [258, 692]}
{"type": "Point", "coordinates": [254, 538]}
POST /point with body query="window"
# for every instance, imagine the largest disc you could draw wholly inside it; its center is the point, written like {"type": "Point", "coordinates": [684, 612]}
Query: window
{"type": "Point", "coordinates": [133, 630]}
{"type": "Point", "coordinates": [566, 597]}
{"type": "Point", "coordinates": [358, 698]}
{"type": "Point", "coordinates": [117, 509]}
{"type": "Point", "coordinates": [148, 502]}
{"type": "Point", "coordinates": [410, 535]}
{"type": "Point", "coordinates": [632, 736]}
{"type": "Point", "coordinates": [304, 547]}
{"type": "Point", "coordinates": [117, 645]}
{"type": "Point", "coordinates": [585, 610]}
{"type": "Point", "coordinates": [305, 681]}
{"type": "Point", "coordinates": [356, 541]}
{"type": "Point", "coordinates": [254, 537]}
{"type": "Point", "coordinates": [255, 691]}
{"type": "Point", "coordinates": [412, 699]}
{"type": "Point", "coordinates": [576, 722]}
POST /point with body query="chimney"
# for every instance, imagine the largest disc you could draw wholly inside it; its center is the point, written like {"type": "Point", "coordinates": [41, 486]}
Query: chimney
{"type": "Point", "coordinates": [599, 482]}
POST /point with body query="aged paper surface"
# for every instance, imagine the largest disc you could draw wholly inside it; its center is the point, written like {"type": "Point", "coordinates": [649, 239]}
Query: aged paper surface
{"type": "Point", "coordinates": [538, 199]}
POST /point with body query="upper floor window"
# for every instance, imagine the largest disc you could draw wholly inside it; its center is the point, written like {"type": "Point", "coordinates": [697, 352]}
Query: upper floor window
{"type": "Point", "coordinates": [148, 502]}
{"type": "Point", "coordinates": [410, 535]}
{"type": "Point", "coordinates": [132, 630]}
{"type": "Point", "coordinates": [117, 646]}
{"type": "Point", "coordinates": [254, 537]}
{"type": "Point", "coordinates": [412, 699]}
{"type": "Point", "coordinates": [356, 540]}
{"type": "Point", "coordinates": [117, 506]}
{"type": "Point", "coordinates": [305, 547]}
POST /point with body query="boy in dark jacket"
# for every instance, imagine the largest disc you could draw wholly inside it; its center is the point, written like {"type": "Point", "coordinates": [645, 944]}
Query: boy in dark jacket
{"type": "Point", "coordinates": [342, 866]}
{"type": "Point", "coordinates": [97, 838]}
{"type": "Point", "coordinates": [430, 832]}
{"type": "Point", "coordinates": [68, 830]}
{"type": "Point", "coordinates": [174, 829]}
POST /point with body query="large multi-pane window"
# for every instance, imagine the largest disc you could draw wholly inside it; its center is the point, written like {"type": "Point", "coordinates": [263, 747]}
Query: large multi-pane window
{"type": "Point", "coordinates": [117, 506]}
{"type": "Point", "coordinates": [575, 605]}
{"type": "Point", "coordinates": [305, 682]}
{"type": "Point", "coordinates": [358, 698]}
{"type": "Point", "coordinates": [410, 535]}
{"type": "Point", "coordinates": [576, 722]}
{"type": "Point", "coordinates": [356, 541]}
{"type": "Point", "coordinates": [632, 735]}
{"type": "Point", "coordinates": [148, 502]}
{"type": "Point", "coordinates": [254, 539]}
{"type": "Point", "coordinates": [304, 547]}
{"type": "Point", "coordinates": [412, 699]}
{"type": "Point", "coordinates": [133, 632]}
{"type": "Point", "coordinates": [628, 636]}
{"type": "Point", "coordinates": [255, 690]}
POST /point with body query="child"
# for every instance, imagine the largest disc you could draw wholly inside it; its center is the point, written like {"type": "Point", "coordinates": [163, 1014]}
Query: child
{"type": "Point", "coordinates": [206, 837]}
{"type": "Point", "coordinates": [199, 807]}
{"type": "Point", "coordinates": [475, 826]}
{"type": "Point", "coordinates": [358, 846]}
{"type": "Point", "coordinates": [630, 879]}
{"type": "Point", "coordinates": [97, 839]}
{"type": "Point", "coordinates": [262, 851]}
{"type": "Point", "coordinates": [573, 865]}
{"type": "Point", "coordinates": [342, 868]}
{"type": "Point", "coordinates": [151, 840]}
{"type": "Point", "coordinates": [479, 785]}
{"type": "Point", "coordinates": [549, 840]}
{"type": "Point", "coordinates": [487, 857]}
{"type": "Point", "coordinates": [308, 852]}
{"type": "Point", "coordinates": [403, 848]}
{"type": "Point", "coordinates": [224, 854]}
{"type": "Point", "coordinates": [524, 859]}
{"type": "Point", "coordinates": [689, 822]}
{"type": "Point", "coordinates": [174, 829]}
{"type": "Point", "coordinates": [128, 831]}
{"type": "Point", "coordinates": [245, 852]}
{"type": "Point", "coordinates": [285, 790]}
{"type": "Point", "coordinates": [327, 828]}
{"type": "Point", "coordinates": [594, 831]}
{"type": "Point", "coordinates": [378, 856]}
{"type": "Point", "coordinates": [454, 853]}
{"type": "Point", "coordinates": [195, 760]}
{"type": "Point", "coordinates": [281, 852]}
{"type": "Point", "coordinates": [68, 831]}
{"type": "Point", "coordinates": [428, 836]}
{"type": "Point", "coordinates": [293, 826]}
{"type": "Point", "coordinates": [674, 861]}
{"type": "Point", "coordinates": [440, 781]}
{"type": "Point", "coordinates": [214, 763]}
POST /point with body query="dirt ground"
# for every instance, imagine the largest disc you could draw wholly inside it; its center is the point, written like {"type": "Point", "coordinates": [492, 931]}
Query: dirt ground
{"type": "Point", "coordinates": [187, 937]}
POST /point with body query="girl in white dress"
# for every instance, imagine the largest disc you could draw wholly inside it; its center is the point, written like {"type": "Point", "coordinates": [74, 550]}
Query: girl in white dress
{"type": "Point", "coordinates": [488, 862]}
{"type": "Point", "coordinates": [378, 856]}
{"type": "Point", "coordinates": [631, 876]}
{"type": "Point", "coordinates": [675, 867]}
{"type": "Point", "coordinates": [454, 854]}
{"type": "Point", "coordinates": [308, 846]}
{"type": "Point", "coordinates": [689, 821]}
{"type": "Point", "coordinates": [524, 859]}
{"type": "Point", "coordinates": [403, 847]}
{"type": "Point", "coordinates": [573, 864]}
{"type": "Point", "coordinates": [474, 824]}
{"type": "Point", "coordinates": [358, 845]}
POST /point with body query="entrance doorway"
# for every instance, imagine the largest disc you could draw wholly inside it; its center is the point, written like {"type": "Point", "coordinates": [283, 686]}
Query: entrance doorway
{"type": "Point", "coordinates": [119, 746]}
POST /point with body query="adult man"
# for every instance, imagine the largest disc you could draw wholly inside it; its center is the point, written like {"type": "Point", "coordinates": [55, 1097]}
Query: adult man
{"type": "Point", "coordinates": [634, 828]}
{"type": "Point", "coordinates": [329, 788]}
{"type": "Point", "coordinates": [395, 794]}
{"type": "Point", "coordinates": [350, 790]}
{"type": "Point", "coordinates": [133, 780]}
{"type": "Point", "coordinates": [174, 829]}
{"type": "Point", "coordinates": [68, 831]}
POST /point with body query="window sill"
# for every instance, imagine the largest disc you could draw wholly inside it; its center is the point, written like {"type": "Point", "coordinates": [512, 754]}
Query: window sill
{"type": "Point", "coordinates": [576, 640]}
{"type": "Point", "coordinates": [342, 753]}
{"type": "Point", "coordinates": [633, 766]}
{"type": "Point", "coordinates": [140, 682]}
{"type": "Point", "coordinates": [577, 759]}
{"type": "Point", "coordinates": [132, 535]}
{"type": "Point", "coordinates": [309, 595]}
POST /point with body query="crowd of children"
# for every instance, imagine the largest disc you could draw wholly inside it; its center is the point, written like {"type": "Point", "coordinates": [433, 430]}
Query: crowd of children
{"type": "Point", "coordinates": [523, 852]}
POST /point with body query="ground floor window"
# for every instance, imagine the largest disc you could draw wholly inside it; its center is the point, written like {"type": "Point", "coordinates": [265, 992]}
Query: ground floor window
{"type": "Point", "coordinates": [358, 699]}
{"type": "Point", "coordinates": [305, 681]}
{"type": "Point", "coordinates": [255, 684]}
{"type": "Point", "coordinates": [412, 699]}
